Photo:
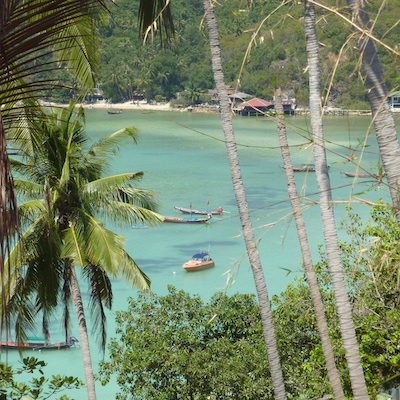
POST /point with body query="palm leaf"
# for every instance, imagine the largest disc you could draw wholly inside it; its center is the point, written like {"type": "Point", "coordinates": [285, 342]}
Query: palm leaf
{"type": "Point", "coordinates": [104, 187]}
{"type": "Point", "coordinates": [100, 294]}
{"type": "Point", "coordinates": [21, 253]}
{"type": "Point", "coordinates": [83, 39]}
{"type": "Point", "coordinates": [141, 197]}
{"type": "Point", "coordinates": [132, 274]}
{"type": "Point", "coordinates": [28, 189]}
{"type": "Point", "coordinates": [30, 32]}
{"type": "Point", "coordinates": [73, 249]}
{"type": "Point", "coordinates": [155, 17]}
{"type": "Point", "coordinates": [126, 214]}
{"type": "Point", "coordinates": [101, 151]}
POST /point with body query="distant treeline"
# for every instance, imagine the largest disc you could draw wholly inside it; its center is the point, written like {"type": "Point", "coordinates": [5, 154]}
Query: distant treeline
{"type": "Point", "coordinates": [276, 56]}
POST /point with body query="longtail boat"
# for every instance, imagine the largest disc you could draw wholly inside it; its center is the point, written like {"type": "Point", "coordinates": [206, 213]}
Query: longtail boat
{"type": "Point", "coordinates": [38, 344]}
{"type": "Point", "coordinates": [218, 211]}
{"type": "Point", "coordinates": [356, 175]}
{"type": "Point", "coordinates": [187, 220]}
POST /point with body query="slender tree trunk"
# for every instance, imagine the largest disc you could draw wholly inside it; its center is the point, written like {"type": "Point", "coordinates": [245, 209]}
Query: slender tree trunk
{"type": "Point", "coordinates": [343, 305]}
{"type": "Point", "coordinates": [83, 336]}
{"type": "Point", "coordinates": [249, 238]}
{"type": "Point", "coordinates": [322, 324]}
{"type": "Point", "coordinates": [384, 125]}
{"type": "Point", "coordinates": [9, 224]}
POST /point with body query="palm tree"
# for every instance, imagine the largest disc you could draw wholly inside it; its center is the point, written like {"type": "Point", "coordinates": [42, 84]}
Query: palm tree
{"type": "Point", "coordinates": [343, 305]}
{"type": "Point", "coordinates": [384, 125]}
{"type": "Point", "coordinates": [244, 214]}
{"type": "Point", "coordinates": [65, 194]}
{"type": "Point", "coordinates": [34, 35]}
{"type": "Point", "coordinates": [151, 13]}
{"type": "Point", "coordinates": [315, 293]}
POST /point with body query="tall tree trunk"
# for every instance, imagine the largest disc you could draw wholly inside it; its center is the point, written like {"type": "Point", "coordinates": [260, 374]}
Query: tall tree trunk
{"type": "Point", "coordinates": [248, 233]}
{"type": "Point", "coordinates": [9, 225]}
{"type": "Point", "coordinates": [322, 324]}
{"type": "Point", "coordinates": [384, 125]}
{"type": "Point", "coordinates": [343, 305]}
{"type": "Point", "coordinates": [83, 336]}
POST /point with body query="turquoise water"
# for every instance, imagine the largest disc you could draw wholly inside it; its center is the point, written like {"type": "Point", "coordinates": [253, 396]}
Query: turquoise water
{"type": "Point", "coordinates": [184, 160]}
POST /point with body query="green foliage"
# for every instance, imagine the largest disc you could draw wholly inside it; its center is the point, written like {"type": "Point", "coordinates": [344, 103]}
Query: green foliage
{"type": "Point", "coordinates": [178, 346]}
{"type": "Point", "coordinates": [64, 192]}
{"type": "Point", "coordinates": [277, 54]}
{"type": "Point", "coordinates": [188, 349]}
{"type": "Point", "coordinates": [37, 388]}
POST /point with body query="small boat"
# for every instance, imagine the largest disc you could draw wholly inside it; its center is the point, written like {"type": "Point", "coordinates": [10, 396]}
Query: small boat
{"type": "Point", "coordinates": [38, 344]}
{"type": "Point", "coordinates": [114, 111]}
{"type": "Point", "coordinates": [198, 262]}
{"type": "Point", "coordinates": [218, 211]}
{"type": "Point", "coordinates": [304, 168]}
{"type": "Point", "coordinates": [187, 220]}
{"type": "Point", "coordinates": [354, 175]}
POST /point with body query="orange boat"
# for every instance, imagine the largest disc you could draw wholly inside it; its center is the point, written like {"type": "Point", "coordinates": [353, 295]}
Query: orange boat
{"type": "Point", "coordinates": [198, 262]}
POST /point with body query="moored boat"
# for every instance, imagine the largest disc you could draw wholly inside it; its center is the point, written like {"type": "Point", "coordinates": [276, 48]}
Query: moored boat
{"type": "Point", "coordinates": [356, 175]}
{"type": "Point", "coordinates": [304, 168]}
{"type": "Point", "coordinates": [198, 262]}
{"type": "Point", "coordinates": [187, 220]}
{"type": "Point", "coordinates": [218, 211]}
{"type": "Point", "coordinates": [40, 344]}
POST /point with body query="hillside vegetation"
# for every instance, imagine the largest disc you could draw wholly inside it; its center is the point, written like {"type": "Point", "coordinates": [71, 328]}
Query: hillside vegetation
{"type": "Point", "coordinates": [262, 46]}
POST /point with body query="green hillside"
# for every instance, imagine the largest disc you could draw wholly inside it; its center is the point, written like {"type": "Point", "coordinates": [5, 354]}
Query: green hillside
{"type": "Point", "coordinates": [275, 57]}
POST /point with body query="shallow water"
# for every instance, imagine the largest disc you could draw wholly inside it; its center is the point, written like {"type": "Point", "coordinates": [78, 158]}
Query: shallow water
{"type": "Point", "coordinates": [184, 160]}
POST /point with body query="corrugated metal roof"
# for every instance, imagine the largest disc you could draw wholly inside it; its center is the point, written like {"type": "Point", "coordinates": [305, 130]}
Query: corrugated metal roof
{"type": "Point", "coordinates": [256, 103]}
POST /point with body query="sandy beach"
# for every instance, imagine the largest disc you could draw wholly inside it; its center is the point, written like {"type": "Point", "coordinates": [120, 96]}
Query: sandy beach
{"type": "Point", "coordinates": [129, 105]}
{"type": "Point", "coordinates": [144, 106]}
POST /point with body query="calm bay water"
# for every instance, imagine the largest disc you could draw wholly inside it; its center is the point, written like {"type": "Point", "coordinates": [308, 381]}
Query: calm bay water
{"type": "Point", "coordinates": [184, 160]}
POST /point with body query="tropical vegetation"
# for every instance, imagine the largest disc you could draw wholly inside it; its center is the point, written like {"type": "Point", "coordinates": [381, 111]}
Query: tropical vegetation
{"type": "Point", "coordinates": [277, 55]}
{"type": "Point", "coordinates": [36, 388]}
{"type": "Point", "coordinates": [64, 192]}
{"type": "Point", "coordinates": [216, 348]}
{"type": "Point", "coordinates": [59, 175]}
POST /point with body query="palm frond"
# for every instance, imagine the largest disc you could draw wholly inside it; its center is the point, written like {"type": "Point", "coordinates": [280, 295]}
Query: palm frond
{"type": "Point", "coordinates": [23, 127]}
{"type": "Point", "coordinates": [132, 274]}
{"type": "Point", "coordinates": [73, 249]}
{"type": "Point", "coordinates": [100, 294]}
{"type": "Point", "coordinates": [22, 252]}
{"type": "Point", "coordinates": [28, 189]}
{"type": "Point", "coordinates": [141, 197]}
{"type": "Point", "coordinates": [32, 210]}
{"type": "Point", "coordinates": [30, 32]}
{"type": "Point", "coordinates": [156, 17]}
{"type": "Point", "coordinates": [104, 187]}
{"type": "Point", "coordinates": [125, 214]}
{"type": "Point", "coordinates": [82, 53]}
{"type": "Point", "coordinates": [24, 316]}
{"type": "Point", "coordinates": [101, 151]}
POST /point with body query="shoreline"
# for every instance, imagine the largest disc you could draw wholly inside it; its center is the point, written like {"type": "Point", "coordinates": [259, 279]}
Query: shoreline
{"type": "Point", "coordinates": [144, 106]}
{"type": "Point", "coordinates": [129, 105]}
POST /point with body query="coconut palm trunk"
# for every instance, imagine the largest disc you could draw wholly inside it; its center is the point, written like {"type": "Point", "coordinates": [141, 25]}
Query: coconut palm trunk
{"type": "Point", "coordinates": [240, 195]}
{"type": "Point", "coordinates": [343, 305]}
{"type": "Point", "coordinates": [322, 324]}
{"type": "Point", "coordinates": [83, 335]}
{"type": "Point", "coordinates": [384, 125]}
